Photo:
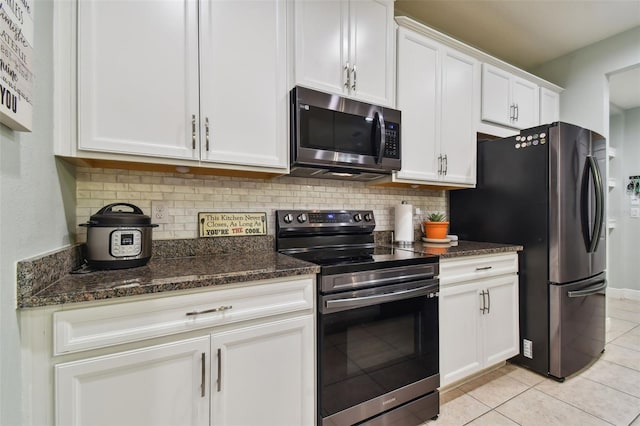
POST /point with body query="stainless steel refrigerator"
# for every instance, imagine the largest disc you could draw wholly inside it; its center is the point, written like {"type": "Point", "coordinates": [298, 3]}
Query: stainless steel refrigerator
{"type": "Point", "coordinates": [544, 189]}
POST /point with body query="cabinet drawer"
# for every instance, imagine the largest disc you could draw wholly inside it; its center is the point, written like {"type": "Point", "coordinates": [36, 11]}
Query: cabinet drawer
{"type": "Point", "coordinates": [475, 267]}
{"type": "Point", "coordinates": [95, 327]}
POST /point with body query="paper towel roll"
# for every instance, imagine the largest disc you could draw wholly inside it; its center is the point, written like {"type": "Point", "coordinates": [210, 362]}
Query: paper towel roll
{"type": "Point", "coordinates": [404, 223]}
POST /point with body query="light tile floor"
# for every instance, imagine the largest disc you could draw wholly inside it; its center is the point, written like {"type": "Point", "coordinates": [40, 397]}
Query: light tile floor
{"type": "Point", "coordinates": [607, 393]}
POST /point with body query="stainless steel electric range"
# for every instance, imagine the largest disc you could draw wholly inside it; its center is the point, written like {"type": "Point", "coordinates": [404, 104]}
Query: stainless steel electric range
{"type": "Point", "coordinates": [377, 323]}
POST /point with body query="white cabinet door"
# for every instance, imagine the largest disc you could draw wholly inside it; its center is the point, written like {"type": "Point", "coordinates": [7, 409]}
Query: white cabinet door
{"type": "Point", "coordinates": [479, 315]}
{"type": "Point", "coordinates": [346, 47]}
{"type": "Point", "coordinates": [265, 374]}
{"type": "Point", "coordinates": [500, 322]}
{"type": "Point", "coordinates": [243, 82]}
{"type": "Point", "coordinates": [159, 385]}
{"type": "Point", "coordinates": [460, 342]}
{"type": "Point", "coordinates": [458, 124]}
{"type": "Point", "coordinates": [437, 90]}
{"type": "Point", "coordinates": [138, 77]}
{"type": "Point", "coordinates": [526, 100]}
{"type": "Point", "coordinates": [322, 44]}
{"type": "Point", "coordinates": [496, 95]}
{"type": "Point", "coordinates": [371, 50]}
{"type": "Point", "coordinates": [418, 99]}
{"type": "Point", "coordinates": [509, 100]}
{"type": "Point", "coordinates": [549, 106]}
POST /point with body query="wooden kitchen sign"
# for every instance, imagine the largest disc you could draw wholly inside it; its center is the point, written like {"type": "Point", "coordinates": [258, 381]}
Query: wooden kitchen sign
{"type": "Point", "coordinates": [16, 64]}
{"type": "Point", "coordinates": [231, 224]}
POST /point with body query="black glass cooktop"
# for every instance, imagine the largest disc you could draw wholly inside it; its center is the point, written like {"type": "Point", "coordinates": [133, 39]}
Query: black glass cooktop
{"type": "Point", "coordinates": [335, 261]}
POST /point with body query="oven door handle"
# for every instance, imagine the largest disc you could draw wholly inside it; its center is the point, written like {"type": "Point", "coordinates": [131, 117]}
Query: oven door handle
{"type": "Point", "coordinates": [356, 302]}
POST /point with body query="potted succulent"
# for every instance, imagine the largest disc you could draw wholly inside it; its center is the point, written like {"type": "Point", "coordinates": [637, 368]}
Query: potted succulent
{"type": "Point", "coordinates": [435, 226]}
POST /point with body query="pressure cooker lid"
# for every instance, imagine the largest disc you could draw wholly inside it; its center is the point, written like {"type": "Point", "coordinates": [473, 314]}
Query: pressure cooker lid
{"type": "Point", "coordinates": [119, 214]}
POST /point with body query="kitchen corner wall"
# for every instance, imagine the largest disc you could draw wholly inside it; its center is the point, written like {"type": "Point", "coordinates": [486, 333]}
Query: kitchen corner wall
{"type": "Point", "coordinates": [185, 195]}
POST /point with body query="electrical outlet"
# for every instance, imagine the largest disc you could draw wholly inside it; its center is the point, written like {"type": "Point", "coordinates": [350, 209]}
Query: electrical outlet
{"type": "Point", "coordinates": [159, 212]}
{"type": "Point", "coordinates": [635, 212]}
{"type": "Point", "coordinates": [527, 348]}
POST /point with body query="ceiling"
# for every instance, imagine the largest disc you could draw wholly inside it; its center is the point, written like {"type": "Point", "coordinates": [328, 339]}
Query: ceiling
{"type": "Point", "coordinates": [528, 33]}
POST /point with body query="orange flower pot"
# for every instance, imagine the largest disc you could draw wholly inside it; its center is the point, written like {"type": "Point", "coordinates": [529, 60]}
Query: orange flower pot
{"type": "Point", "coordinates": [435, 230]}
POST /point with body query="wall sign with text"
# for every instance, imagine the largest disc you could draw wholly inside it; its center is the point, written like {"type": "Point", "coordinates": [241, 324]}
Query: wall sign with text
{"type": "Point", "coordinates": [231, 224]}
{"type": "Point", "coordinates": [16, 64]}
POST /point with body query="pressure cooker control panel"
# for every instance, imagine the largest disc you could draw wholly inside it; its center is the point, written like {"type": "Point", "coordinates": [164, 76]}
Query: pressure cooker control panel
{"type": "Point", "coordinates": [125, 243]}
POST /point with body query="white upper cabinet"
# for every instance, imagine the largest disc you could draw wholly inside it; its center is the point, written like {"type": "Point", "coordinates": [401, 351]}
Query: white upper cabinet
{"type": "Point", "coordinates": [187, 80]}
{"type": "Point", "coordinates": [460, 97]}
{"type": "Point", "coordinates": [243, 82]}
{"type": "Point", "coordinates": [419, 74]}
{"type": "Point", "coordinates": [137, 77]}
{"type": "Point", "coordinates": [346, 47]}
{"type": "Point", "coordinates": [508, 99]}
{"type": "Point", "coordinates": [438, 94]}
{"type": "Point", "coordinates": [549, 106]}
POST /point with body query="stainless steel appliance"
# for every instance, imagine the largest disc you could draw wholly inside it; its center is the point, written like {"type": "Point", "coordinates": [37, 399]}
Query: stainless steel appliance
{"type": "Point", "coordinates": [336, 137]}
{"type": "Point", "coordinates": [118, 238]}
{"type": "Point", "coordinates": [544, 189]}
{"type": "Point", "coordinates": [377, 323]}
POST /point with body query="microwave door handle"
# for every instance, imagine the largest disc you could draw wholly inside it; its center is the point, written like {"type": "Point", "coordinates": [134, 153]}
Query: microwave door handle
{"type": "Point", "coordinates": [380, 127]}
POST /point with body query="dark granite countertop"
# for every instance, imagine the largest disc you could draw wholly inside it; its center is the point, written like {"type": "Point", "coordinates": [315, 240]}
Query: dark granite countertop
{"type": "Point", "coordinates": [463, 248]}
{"type": "Point", "coordinates": [185, 264]}
{"type": "Point", "coordinates": [167, 274]}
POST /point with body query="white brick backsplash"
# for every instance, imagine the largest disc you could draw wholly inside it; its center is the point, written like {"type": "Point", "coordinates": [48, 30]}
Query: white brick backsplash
{"type": "Point", "coordinates": [186, 195]}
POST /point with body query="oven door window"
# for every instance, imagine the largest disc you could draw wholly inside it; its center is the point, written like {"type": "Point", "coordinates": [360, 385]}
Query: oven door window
{"type": "Point", "coordinates": [369, 351]}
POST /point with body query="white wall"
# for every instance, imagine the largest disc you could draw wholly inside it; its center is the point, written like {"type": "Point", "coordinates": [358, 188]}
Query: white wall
{"type": "Point", "coordinates": [583, 74]}
{"type": "Point", "coordinates": [32, 211]}
{"type": "Point", "coordinates": [623, 240]}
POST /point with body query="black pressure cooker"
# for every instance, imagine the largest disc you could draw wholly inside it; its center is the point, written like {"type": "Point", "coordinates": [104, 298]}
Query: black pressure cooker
{"type": "Point", "coordinates": [118, 238]}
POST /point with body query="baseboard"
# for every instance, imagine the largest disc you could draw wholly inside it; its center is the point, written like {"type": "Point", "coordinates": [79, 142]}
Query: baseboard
{"type": "Point", "coordinates": [623, 293]}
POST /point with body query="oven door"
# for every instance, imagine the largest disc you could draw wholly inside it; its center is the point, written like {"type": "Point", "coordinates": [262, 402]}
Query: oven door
{"type": "Point", "coordinates": [377, 349]}
{"type": "Point", "coordinates": [332, 131]}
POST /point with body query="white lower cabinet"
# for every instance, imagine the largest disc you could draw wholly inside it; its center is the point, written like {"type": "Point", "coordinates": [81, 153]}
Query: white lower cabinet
{"type": "Point", "coordinates": [263, 375]}
{"type": "Point", "coordinates": [236, 356]}
{"type": "Point", "coordinates": [160, 385]}
{"type": "Point", "coordinates": [478, 314]}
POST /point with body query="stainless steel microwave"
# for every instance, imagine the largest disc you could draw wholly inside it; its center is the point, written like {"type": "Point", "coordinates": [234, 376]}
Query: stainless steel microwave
{"type": "Point", "coordinates": [336, 137]}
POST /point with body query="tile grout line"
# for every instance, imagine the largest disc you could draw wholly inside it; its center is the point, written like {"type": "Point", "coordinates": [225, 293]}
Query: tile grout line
{"type": "Point", "coordinates": [576, 407]}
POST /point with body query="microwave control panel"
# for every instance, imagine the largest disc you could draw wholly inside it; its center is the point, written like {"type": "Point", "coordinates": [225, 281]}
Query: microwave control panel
{"type": "Point", "coordinates": [392, 138]}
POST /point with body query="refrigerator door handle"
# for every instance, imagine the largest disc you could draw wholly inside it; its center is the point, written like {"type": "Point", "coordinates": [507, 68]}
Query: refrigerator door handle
{"type": "Point", "coordinates": [599, 191]}
{"type": "Point", "coordinates": [592, 231]}
{"type": "Point", "coordinates": [596, 288]}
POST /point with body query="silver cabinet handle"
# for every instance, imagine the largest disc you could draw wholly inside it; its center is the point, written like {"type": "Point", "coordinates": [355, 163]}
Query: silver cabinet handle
{"type": "Point", "coordinates": [202, 378]}
{"type": "Point", "coordinates": [511, 112]}
{"type": "Point", "coordinates": [208, 311]}
{"type": "Point", "coordinates": [489, 302]}
{"type": "Point", "coordinates": [517, 112]}
{"type": "Point", "coordinates": [484, 302]}
{"type": "Point", "coordinates": [347, 82]}
{"type": "Point", "coordinates": [219, 382]}
{"type": "Point", "coordinates": [193, 131]}
{"type": "Point", "coordinates": [355, 76]}
{"type": "Point", "coordinates": [439, 164]}
{"type": "Point", "coordinates": [446, 165]}
{"type": "Point", "coordinates": [206, 132]}
{"type": "Point", "coordinates": [484, 268]}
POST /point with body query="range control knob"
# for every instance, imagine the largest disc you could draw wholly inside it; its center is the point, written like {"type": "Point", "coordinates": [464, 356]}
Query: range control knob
{"type": "Point", "coordinates": [357, 217]}
{"type": "Point", "coordinates": [302, 218]}
{"type": "Point", "coordinates": [368, 217]}
{"type": "Point", "coordinates": [288, 218]}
